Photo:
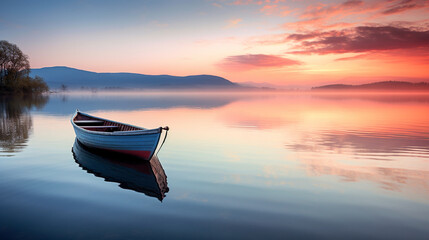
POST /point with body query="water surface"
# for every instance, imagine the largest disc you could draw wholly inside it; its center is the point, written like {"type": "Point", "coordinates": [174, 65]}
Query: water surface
{"type": "Point", "coordinates": [234, 166]}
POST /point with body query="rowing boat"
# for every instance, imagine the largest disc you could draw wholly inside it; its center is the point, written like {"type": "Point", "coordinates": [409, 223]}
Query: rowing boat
{"type": "Point", "coordinates": [119, 137]}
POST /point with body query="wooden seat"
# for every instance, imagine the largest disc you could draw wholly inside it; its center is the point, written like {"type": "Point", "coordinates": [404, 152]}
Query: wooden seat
{"type": "Point", "coordinates": [89, 122]}
{"type": "Point", "coordinates": [99, 126]}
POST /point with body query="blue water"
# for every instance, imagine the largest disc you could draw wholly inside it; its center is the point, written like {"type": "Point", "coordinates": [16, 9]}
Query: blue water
{"type": "Point", "coordinates": [237, 166]}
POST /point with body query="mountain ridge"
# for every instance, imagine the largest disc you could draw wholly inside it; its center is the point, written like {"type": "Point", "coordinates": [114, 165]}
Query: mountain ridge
{"type": "Point", "coordinates": [74, 78]}
{"type": "Point", "coordinates": [382, 86]}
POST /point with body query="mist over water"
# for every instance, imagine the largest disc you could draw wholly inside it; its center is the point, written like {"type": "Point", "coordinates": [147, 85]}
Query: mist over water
{"type": "Point", "coordinates": [235, 165]}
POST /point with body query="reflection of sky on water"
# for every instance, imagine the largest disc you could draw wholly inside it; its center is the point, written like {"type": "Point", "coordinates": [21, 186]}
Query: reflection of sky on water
{"type": "Point", "coordinates": [364, 143]}
{"type": "Point", "coordinates": [64, 103]}
{"type": "Point", "coordinates": [381, 97]}
{"type": "Point", "coordinates": [279, 165]}
{"type": "Point", "coordinates": [357, 137]}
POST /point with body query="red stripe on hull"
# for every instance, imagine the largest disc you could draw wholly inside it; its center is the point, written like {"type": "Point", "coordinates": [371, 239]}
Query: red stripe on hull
{"type": "Point", "coordinates": [141, 154]}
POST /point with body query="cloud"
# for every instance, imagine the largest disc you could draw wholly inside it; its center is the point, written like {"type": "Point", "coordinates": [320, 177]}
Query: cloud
{"type": "Point", "coordinates": [233, 22]}
{"type": "Point", "coordinates": [305, 36]}
{"type": "Point", "coordinates": [242, 2]}
{"type": "Point", "coordinates": [352, 3]}
{"type": "Point", "coordinates": [216, 5]}
{"type": "Point", "coordinates": [404, 5]}
{"type": "Point", "coordinates": [252, 61]}
{"type": "Point", "coordinates": [258, 2]}
{"type": "Point", "coordinates": [361, 39]}
{"type": "Point", "coordinates": [360, 56]}
{"type": "Point", "coordinates": [330, 16]}
{"type": "Point", "coordinates": [268, 7]}
{"type": "Point", "coordinates": [275, 10]}
{"type": "Point", "coordinates": [319, 10]}
{"type": "Point", "coordinates": [415, 57]}
{"type": "Point", "coordinates": [315, 16]}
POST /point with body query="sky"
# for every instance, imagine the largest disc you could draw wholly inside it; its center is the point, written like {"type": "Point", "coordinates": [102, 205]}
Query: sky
{"type": "Point", "coordinates": [291, 43]}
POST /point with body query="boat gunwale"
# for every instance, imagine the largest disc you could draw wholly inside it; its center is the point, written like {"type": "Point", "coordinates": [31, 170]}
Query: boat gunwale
{"type": "Point", "coordinates": [143, 131]}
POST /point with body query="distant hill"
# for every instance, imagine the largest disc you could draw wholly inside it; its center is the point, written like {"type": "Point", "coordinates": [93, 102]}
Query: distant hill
{"type": "Point", "coordinates": [378, 86]}
{"type": "Point", "coordinates": [265, 85]}
{"type": "Point", "coordinates": [75, 78]}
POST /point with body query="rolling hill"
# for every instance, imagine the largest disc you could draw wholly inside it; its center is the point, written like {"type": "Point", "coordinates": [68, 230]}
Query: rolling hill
{"type": "Point", "coordinates": [378, 86]}
{"type": "Point", "coordinates": [75, 79]}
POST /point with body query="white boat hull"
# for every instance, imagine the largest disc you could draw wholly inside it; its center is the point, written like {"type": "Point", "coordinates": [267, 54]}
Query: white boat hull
{"type": "Point", "coordinates": [141, 143]}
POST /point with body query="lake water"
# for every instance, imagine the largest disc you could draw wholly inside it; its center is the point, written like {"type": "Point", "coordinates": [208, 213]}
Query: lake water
{"type": "Point", "coordinates": [237, 166]}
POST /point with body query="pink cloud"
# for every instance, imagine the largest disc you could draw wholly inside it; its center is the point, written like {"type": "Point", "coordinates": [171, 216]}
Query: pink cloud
{"type": "Point", "coordinates": [242, 2]}
{"type": "Point", "coordinates": [233, 22]}
{"type": "Point", "coordinates": [355, 11]}
{"type": "Point", "coordinates": [405, 5]}
{"type": "Point", "coordinates": [275, 10]}
{"type": "Point", "coordinates": [252, 61]}
{"type": "Point", "coordinates": [414, 56]}
{"type": "Point", "coordinates": [361, 39]}
{"type": "Point", "coordinates": [320, 10]}
{"type": "Point", "coordinates": [334, 15]}
{"type": "Point", "coordinates": [306, 36]}
{"type": "Point", "coordinates": [268, 9]}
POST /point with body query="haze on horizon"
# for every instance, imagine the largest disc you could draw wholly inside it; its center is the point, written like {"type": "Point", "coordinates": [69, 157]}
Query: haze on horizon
{"type": "Point", "coordinates": [281, 42]}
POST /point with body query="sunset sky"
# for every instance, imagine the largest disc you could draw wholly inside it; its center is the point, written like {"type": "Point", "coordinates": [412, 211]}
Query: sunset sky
{"type": "Point", "coordinates": [283, 42]}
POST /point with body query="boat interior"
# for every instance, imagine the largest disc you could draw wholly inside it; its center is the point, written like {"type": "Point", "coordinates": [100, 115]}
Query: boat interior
{"type": "Point", "coordinates": [100, 125]}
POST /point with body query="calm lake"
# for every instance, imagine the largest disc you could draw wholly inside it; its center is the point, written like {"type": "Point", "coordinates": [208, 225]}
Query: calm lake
{"type": "Point", "coordinates": [236, 166]}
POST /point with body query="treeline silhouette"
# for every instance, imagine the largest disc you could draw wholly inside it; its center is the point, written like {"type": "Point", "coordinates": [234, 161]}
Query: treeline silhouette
{"type": "Point", "coordinates": [14, 72]}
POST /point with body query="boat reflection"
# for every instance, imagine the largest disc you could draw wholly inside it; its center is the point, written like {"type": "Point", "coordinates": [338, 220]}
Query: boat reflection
{"type": "Point", "coordinates": [147, 177]}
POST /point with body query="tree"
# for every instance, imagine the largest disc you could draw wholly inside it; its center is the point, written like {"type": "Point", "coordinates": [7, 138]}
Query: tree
{"type": "Point", "coordinates": [14, 70]}
{"type": "Point", "coordinates": [63, 87]}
